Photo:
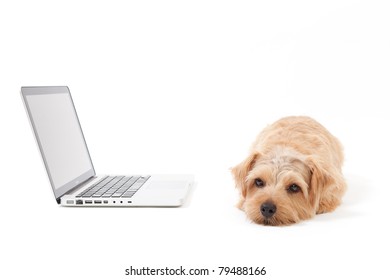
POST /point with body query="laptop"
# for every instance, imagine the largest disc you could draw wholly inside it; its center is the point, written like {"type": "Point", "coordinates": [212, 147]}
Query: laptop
{"type": "Point", "coordinates": [69, 166]}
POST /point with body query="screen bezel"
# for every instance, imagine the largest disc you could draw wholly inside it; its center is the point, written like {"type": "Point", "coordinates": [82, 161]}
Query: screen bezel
{"type": "Point", "coordinates": [60, 191]}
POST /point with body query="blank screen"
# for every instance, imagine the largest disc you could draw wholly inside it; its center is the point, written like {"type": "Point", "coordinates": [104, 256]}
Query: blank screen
{"type": "Point", "coordinates": [60, 136]}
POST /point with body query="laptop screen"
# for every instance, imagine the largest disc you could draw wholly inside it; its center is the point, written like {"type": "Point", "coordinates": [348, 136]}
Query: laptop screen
{"type": "Point", "coordinates": [59, 136]}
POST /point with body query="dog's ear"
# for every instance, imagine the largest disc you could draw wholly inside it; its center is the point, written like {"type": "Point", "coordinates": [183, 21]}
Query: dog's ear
{"type": "Point", "coordinates": [320, 178]}
{"type": "Point", "coordinates": [240, 172]}
{"type": "Point", "coordinates": [327, 186]}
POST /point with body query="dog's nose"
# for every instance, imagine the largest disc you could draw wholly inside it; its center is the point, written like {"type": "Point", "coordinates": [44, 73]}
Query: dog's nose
{"type": "Point", "coordinates": [268, 209]}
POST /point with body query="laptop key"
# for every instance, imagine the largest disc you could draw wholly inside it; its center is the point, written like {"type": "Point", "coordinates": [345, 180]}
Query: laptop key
{"type": "Point", "coordinates": [128, 194]}
{"type": "Point", "coordinates": [135, 187]}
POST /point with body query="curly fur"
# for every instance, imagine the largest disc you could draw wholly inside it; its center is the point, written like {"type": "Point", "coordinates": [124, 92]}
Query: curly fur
{"type": "Point", "coordinates": [293, 150]}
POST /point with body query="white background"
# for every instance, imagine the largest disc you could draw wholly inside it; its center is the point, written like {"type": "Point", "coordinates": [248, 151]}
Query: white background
{"type": "Point", "coordinates": [184, 87]}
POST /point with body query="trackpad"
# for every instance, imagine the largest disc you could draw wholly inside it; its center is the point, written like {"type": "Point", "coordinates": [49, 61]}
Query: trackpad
{"type": "Point", "coordinates": [167, 185]}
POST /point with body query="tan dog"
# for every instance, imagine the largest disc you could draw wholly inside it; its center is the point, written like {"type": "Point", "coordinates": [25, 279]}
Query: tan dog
{"type": "Point", "coordinates": [292, 173]}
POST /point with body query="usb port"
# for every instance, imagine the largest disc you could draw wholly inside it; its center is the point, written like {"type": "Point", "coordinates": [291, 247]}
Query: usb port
{"type": "Point", "coordinates": [105, 201]}
{"type": "Point", "coordinates": [98, 202]}
{"type": "Point", "coordinates": [79, 201]}
{"type": "Point", "coordinates": [88, 202]}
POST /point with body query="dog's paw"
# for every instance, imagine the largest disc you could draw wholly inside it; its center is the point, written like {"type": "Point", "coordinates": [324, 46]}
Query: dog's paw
{"type": "Point", "coordinates": [327, 206]}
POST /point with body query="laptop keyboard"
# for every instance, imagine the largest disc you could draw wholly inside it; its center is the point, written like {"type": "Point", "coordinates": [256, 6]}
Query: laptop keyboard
{"type": "Point", "coordinates": [115, 186]}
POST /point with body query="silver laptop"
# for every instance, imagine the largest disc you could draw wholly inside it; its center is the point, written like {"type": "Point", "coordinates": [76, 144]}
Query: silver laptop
{"type": "Point", "coordinates": [69, 166]}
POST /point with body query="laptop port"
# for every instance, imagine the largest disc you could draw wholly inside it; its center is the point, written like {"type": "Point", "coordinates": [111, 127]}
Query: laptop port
{"type": "Point", "coordinates": [79, 201]}
{"type": "Point", "coordinates": [105, 201]}
{"type": "Point", "coordinates": [70, 202]}
{"type": "Point", "coordinates": [98, 202]}
{"type": "Point", "coordinates": [88, 202]}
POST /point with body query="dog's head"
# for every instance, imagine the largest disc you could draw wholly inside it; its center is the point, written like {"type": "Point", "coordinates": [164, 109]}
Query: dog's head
{"type": "Point", "coordinates": [279, 187]}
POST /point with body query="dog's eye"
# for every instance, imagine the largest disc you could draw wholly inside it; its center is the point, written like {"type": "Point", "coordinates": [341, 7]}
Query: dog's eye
{"type": "Point", "coordinates": [259, 183]}
{"type": "Point", "coordinates": [294, 188]}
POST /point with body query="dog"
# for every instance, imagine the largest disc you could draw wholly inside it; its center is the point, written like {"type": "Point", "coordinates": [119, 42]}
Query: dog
{"type": "Point", "coordinates": [292, 173]}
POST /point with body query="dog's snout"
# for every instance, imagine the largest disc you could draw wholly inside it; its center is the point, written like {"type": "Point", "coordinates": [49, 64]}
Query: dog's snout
{"type": "Point", "coordinates": [268, 209]}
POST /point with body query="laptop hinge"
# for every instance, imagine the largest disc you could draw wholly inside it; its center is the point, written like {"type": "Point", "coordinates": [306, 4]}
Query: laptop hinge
{"type": "Point", "coordinates": [75, 187]}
